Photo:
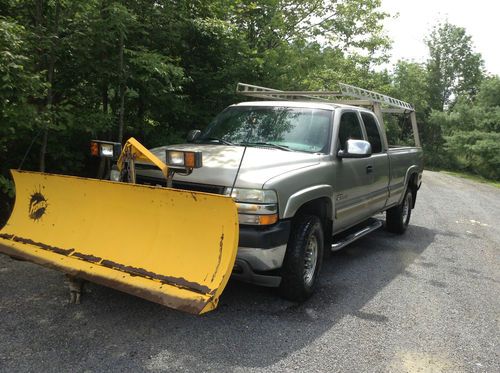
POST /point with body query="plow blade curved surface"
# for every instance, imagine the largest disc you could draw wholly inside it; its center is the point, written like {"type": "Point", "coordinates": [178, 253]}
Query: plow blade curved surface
{"type": "Point", "coordinates": [173, 247]}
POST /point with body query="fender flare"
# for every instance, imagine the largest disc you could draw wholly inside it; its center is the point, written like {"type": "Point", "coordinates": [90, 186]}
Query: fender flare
{"type": "Point", "coordinates": [411, 170]}
{"type": "Point", "coordinates": [298, 199]}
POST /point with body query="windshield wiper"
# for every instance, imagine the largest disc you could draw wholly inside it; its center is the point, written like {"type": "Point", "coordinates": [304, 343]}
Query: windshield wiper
{"type": "Point", "coordinates": [211, 139]}
{"type": "Point", "coordinates": [268, 144]}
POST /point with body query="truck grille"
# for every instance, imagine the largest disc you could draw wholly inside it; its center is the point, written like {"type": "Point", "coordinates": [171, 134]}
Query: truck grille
{"type": "Point", "coordinates": [215, 189]}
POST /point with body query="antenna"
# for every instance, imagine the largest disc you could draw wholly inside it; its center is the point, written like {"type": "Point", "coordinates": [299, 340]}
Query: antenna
{"type": "Point", "coordinates": [238, 171]}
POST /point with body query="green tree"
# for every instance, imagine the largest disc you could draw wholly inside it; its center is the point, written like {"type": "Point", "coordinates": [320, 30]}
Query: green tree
{"type": "Point", "coordinates": [472, 131]}
{"type": "Point", "coordinates": [20, 86]}
{"type": "Point", "coordinates": [454, 68]}
{"type": "Point", "coordinates": [110, 69]}
{"type": "Point", "coordinates": [74, 70]}
{"type": "Point", "coordinates": [410, 84]}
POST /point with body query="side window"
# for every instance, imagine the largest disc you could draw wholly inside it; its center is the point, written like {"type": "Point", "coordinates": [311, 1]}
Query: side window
{"type": "Point", "coordinates": [372, 132]}
{"type": "Point", "coordinates": [349, 129]}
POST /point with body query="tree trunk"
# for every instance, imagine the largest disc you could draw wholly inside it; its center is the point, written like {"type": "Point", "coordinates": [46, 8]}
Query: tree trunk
{"type": "Point", "coordinates": [50, 79]}
{"type": "Point", "coordinates": [141, 112]}
{"type": "Point", "coordinates": [105, 99]}
{"type": "Point", "coordinates": [122, 92]}
{"type": "Point", "coordinates": [50, 91]}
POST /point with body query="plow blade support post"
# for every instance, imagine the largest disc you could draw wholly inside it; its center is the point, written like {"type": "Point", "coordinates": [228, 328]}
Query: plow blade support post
{"type": "Point", "coordinates": [173, 247]}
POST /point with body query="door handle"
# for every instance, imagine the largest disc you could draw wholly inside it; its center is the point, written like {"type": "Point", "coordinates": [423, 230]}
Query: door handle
{"type": "Point", "coordinates": [369, 169]}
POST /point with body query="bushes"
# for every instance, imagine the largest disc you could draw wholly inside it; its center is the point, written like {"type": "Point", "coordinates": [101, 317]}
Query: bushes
{"type": "Point", "coordinates": [6, 198]}
{"type": "Point", "coordinates": [471, 133]}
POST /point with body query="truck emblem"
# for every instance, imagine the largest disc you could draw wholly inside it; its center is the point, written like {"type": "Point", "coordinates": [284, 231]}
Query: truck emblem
{"type": "Point", "coordinates": [38, 206]}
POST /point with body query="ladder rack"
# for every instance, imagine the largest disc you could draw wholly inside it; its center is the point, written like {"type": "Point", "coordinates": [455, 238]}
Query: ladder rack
{"type": "Point", "coordinates": [363, 97]}
{"type": "Point", "coordinates": [364, 94]}
{"type": "Point", "coordinates": [379, 102]}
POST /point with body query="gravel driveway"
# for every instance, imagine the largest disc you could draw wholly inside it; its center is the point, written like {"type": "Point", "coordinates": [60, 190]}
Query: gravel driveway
{"type": "Point", "coordinates": [425, 301]}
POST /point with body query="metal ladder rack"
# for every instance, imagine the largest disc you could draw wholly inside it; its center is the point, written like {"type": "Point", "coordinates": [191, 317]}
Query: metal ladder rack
{"type": "Point", "coordinates": [379, 102]}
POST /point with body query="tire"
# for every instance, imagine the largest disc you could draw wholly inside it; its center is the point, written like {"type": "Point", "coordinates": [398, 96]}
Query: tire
{"type": "Point", "coordinates": [303, 259]}
{"type": "Point", "coordinates": [397, 218]}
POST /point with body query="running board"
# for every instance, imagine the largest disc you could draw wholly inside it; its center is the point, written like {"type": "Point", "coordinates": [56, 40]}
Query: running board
{"type": "Point", "coordinates": [356, 235]}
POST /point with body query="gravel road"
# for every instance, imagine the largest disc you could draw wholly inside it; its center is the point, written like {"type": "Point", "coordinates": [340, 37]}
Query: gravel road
{"type": "Point", "coordinates": [425, 301]}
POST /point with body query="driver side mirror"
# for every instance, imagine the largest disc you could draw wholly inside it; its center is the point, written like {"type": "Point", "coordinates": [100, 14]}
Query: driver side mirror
{"type": "Point", "coordinates": [193, 135]}
{"type": "Point", "coordinates": [356, 149]}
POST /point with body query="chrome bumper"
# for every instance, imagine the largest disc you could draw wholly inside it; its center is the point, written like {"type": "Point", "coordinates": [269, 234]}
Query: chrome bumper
{"type": "Point", "coordinates": [262, 259]}
{"type": "Point", "coordinates": [252, 263]}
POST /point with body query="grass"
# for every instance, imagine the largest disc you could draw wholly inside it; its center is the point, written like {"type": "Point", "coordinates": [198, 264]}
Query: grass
{"type": "Point", "coordinates": [476, 178]}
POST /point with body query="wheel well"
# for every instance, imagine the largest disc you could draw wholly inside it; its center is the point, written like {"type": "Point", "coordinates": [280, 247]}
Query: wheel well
{"type": "Point", "coordinates": [322, 208]}
{"type": "Point", "coordinates": [412, 185]}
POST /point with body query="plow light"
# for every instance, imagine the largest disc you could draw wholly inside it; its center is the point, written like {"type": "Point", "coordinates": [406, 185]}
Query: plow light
{"type": "Point", "coordinates": [182, 159]}
{"type": "Point", "coordinates": [105, 149]}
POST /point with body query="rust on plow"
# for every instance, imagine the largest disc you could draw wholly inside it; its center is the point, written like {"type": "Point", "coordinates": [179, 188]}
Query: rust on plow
{"type": "Point", "coordinates": [185, 305]}
{"type": "Point", "coordinates": [86, 257]}
{"type": "Point", "coordinates": [41, 245]}
{"type": "Point", "coordinates": [168, 280]}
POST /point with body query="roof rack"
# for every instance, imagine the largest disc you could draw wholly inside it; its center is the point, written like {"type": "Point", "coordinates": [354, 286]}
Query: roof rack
{"type": "Point", "coordinates": [380, 103]}
{"type": "Point", "coordinates": [350, 90]}
{"type": "Point", "coordinates": [363, 97]}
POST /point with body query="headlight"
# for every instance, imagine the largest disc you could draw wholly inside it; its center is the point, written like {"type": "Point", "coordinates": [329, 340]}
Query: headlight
{"type": "Point", "coordinates": [253, 195]}
{"type": "Point", "coordinates": [255, 206]}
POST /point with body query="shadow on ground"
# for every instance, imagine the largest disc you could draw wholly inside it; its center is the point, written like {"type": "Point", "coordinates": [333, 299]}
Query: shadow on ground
{"type": "Point", "coordinates": [251, 328]}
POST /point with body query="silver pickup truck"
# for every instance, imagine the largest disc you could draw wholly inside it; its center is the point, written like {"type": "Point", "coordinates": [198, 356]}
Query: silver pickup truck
{"type": "Point", "coordinates": [307, 177]}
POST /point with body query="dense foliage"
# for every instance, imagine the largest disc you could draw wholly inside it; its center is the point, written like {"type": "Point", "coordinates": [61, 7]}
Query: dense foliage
{"type": "Point", "coordinates": [472, 131]}
{"type": "Point", "coordinates": [75, 70]}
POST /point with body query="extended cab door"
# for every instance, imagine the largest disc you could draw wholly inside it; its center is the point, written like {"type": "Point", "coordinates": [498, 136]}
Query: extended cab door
{"type": "Point", "coordinates": [350, 178]}
{"type": "Point", "coordinates": [378, 165]}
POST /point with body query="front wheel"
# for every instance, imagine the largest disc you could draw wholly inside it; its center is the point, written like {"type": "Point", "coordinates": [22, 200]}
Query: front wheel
{"type": "Point", "coordinates": [397, 218]}
{"type": "Point", "coordinates": [303, 259]}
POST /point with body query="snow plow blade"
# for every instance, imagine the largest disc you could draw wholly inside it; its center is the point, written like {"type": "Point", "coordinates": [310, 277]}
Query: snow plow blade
{"type": "Point", "coordinates": [172, 247]}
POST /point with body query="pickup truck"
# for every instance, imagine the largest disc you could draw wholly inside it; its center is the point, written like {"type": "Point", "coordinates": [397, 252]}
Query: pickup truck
{"type": "Point", "coordinates": [307, 176]}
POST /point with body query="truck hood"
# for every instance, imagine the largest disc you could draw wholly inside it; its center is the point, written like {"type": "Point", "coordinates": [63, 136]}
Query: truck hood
{"type": "Point", "coordinates": [220, 164]}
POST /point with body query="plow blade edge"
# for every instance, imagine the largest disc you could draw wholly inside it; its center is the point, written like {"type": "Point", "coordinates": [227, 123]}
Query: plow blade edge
{"type": "Point", "coordinates": [173, 247]}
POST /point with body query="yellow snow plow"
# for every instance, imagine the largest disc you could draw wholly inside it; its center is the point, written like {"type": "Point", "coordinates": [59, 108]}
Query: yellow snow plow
{"type": "Point", "coordinates": [169, 246]}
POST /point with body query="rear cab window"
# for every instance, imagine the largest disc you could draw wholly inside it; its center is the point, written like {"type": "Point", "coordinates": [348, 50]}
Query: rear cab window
{"type": "Point", "coordinates": [372, 132]}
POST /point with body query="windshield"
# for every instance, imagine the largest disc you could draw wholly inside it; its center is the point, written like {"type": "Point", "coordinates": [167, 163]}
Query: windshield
{"type": "Point", "coordinates": [300, 129]}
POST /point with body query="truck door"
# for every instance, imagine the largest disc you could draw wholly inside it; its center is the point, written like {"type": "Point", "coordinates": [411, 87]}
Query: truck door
{"type": "Point", "coordinates": [350, 175]}
{"type": "Point", "coordinates": [378, 165]}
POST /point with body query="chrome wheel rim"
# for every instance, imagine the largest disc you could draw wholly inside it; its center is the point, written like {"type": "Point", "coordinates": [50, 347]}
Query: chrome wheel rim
{"type": "Point", "coordinates": [406, 208]}
{"type": "Point", "coordinates": [310, 259]}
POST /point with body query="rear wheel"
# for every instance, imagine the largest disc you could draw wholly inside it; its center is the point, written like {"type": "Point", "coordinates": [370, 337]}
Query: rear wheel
{"type": "Point", "coordinates": [398, 217]}
{"type": "Point", "coordinates": [303, 259]}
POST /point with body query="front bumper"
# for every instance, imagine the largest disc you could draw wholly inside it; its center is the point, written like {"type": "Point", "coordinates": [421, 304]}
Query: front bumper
{"type": "Point", "coordinates": [262, 259]}
{"type": "Point", "coordinates": [261, 249]}
{"type": "Point", "coordinates": [265, 237]}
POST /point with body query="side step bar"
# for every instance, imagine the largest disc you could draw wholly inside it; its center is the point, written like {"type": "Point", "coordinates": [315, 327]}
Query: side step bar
{"type": "Point", "coordinates": [344, 241]}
